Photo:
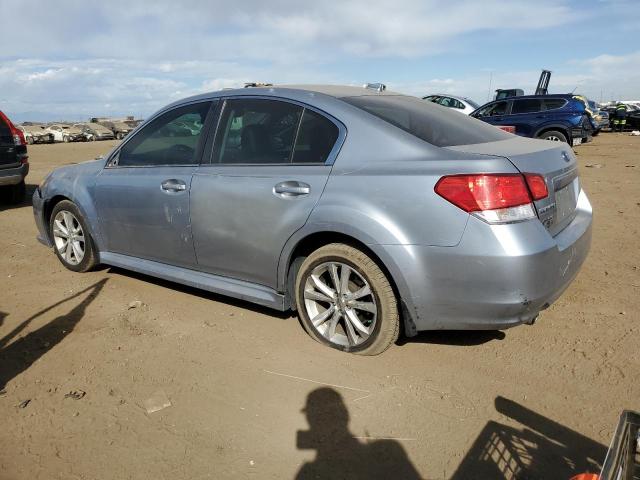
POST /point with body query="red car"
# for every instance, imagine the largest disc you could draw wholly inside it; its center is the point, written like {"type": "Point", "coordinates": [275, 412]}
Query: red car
{"type": "Point", "coordinates": [14, 161]}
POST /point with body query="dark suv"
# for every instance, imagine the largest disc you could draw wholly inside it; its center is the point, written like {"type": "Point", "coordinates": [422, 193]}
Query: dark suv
{"type": "Point", "coordinates": [14, 162]}
{"type": "Point", "coordinates": [551, 117]}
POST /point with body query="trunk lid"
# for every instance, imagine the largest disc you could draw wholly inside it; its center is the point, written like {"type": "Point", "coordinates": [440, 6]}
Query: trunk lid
{"type": "Point", "coordinates": [555, 161]}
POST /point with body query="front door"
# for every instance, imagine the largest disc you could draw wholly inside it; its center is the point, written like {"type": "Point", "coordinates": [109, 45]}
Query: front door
{"type": "Point", "coordinates": [143, 192]}
{"type": "Point", "coordinates": [270, 163]}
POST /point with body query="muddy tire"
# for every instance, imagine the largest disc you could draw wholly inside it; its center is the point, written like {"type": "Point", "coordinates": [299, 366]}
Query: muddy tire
{"type": "Point", "coordinates": [71, 238]}
{"type": "Point", "coordinates": [346, 301]}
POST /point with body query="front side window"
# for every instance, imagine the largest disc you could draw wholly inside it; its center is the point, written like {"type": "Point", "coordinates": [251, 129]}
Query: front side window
{"type": "Point", "coordinates": [170, 139]}
{"type": "Point", "coordinates": [499, 108]}
{"type": "Point", "coordinates": [256, 131]}
{"type": "Point", "coordinates": [529, 105]}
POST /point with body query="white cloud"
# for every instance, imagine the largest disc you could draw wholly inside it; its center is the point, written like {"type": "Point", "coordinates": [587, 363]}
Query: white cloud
{"type": "Point", "coordinates": [134, 57]}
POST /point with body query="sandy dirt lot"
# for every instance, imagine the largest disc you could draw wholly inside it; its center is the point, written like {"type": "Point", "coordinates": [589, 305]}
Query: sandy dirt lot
{"type": "Point", "coordinates": [251, 396]}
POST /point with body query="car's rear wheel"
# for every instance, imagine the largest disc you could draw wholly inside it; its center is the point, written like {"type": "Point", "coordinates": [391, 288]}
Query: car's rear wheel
{"type": "Point", "coordinates": [554, 136]}
{"type": "Point", "coordinates": [345, 300]}
{"type": "Point", "coordinates": [65, 139]}
{"type": "Point", "coordinates": [119, 136]}
{"type": "Point", "coordinates": [30, 140]}
{"type": "Point", "coordinates": [72, 241]}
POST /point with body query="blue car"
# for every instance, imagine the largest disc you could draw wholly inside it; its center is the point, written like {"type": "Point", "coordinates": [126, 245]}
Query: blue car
{"type": "Point", "coordinates": [551, 117]}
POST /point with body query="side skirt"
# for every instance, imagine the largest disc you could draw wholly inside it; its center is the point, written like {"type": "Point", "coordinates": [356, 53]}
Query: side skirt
{"type": "Point", "coordinates": [240, 289]}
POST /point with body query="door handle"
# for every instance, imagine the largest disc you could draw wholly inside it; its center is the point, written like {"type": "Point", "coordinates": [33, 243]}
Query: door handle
{"type": "Point", "coordinates": [291, 188]}
{"type": "Point", "coordinates": [173, 185]}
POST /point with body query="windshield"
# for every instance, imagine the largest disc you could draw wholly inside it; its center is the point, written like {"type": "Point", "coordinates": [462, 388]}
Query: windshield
{"type": "Point", "coordinates": [472, 103]}
{"type": "Point", "coordinates": [436, 125]}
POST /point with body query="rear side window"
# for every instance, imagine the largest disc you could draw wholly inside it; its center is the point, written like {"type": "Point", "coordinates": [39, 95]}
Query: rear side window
{"type": "Point", "coordinates": [5, 132]}
{"type": "Point", "coordinates": [528, 105]}
{"type": "Point", "coordinates": [553, 103]}
{"type": "Point", "coordinates": [316, 137]}
{"type": "Point", "coordinates": [170, 139]}
{"type": "Point", "coordinates": [256, 131]}
{"type": "Point", "coordinates": [442, 128]}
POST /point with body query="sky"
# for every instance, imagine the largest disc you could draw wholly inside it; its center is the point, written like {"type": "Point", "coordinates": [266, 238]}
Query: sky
{"type": "Point", "coordinates": [69, 60]}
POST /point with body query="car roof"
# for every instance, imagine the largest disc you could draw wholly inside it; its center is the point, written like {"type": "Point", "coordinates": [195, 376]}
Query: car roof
{"type": "Point", "coordinates": [566, 96]}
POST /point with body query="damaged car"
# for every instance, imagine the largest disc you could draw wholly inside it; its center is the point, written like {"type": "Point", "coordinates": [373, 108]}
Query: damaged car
{"type": "Point", "coordinates": [371, 214]}
{"type": "Point", "coordinates": [66, 133]}
{"type": "Point", "coordinates": [95, 131]}
{"type": "Point", "coordinates": [35, 134]}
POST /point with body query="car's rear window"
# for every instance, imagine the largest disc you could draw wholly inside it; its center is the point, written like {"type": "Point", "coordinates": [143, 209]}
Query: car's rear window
{"type": "Point", "coordinates": [436, 125]}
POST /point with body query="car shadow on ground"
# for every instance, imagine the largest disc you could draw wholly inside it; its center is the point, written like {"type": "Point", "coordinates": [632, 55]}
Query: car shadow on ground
{"type": "Point", "coordinates": [18, 356]}
{"type": "Point", "coordinates": [27, 201]}
{"type": "Point", "coordinates": [538, 448]}
{"type": "Point", "coordinates": [454, 337]}
{"type": "Point", "coordinates": [339, 454]}
{"type": "Point", "coordinates": [214, 297]}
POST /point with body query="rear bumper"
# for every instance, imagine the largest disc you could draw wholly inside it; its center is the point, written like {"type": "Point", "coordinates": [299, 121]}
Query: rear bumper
{"type": "Point", "coordinates": [13, 176]}
{"type": "Point", "coordinates": [497, 277]}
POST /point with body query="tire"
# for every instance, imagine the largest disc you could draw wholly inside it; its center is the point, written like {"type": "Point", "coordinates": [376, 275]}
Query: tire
{"type": "Point", "coordinates": [65, 139]}
{"type": "Point", "coordinates": [30, 140]}
{"type": "Point", "coordinates": [119, 136]}
{"type": "Point", "coordinates": [553, 135]}
{"type": "Point", "coordinates": [595, 133]}
{"type": "Point", "coordinates": [89, 257]}
{"type": "Point", "coordinates": [377, 310]}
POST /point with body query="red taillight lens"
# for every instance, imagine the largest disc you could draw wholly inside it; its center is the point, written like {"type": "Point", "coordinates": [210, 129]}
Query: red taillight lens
{"type": "Point", "coordinates": [481, 192]}
{"type": "Point", "coordinates": [537, 185]}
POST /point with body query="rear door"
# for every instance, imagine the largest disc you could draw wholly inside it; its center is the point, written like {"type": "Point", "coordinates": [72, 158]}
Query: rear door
{"type": "Point", "coordinates": [143, 192]}
{"type": "Point", "coordinates": [526, 115]}
{"type": "Point", "coordinates": [8, 152]}
{"type": "Point", "coordinates": [269, 165]}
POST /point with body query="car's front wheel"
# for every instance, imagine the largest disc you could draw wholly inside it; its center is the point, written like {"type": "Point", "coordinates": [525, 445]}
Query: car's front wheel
{"type": "Point", "coordinates": [71, 238]}
{"type": "Point", "coordinates": [346, 301]}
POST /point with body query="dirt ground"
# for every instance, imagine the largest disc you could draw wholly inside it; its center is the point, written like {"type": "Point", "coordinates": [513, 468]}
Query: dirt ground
{"type": "Point", "coordinates": [251, 396]}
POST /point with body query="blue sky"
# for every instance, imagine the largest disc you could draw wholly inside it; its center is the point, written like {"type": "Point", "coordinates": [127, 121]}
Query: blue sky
{"type": "Point", "coordinates": [74, 59]}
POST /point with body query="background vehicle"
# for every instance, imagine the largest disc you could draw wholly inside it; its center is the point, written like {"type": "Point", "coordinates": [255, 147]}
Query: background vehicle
{"type": "Point", "coordinates": [14, 161]}
{"type": "Point", "coordinates": [551, 117]}
{"type": "Point", "coordinates": [35, 134]}
{"type": "Point", "coordinates": [96, 131]}
{"type": "Point", "coordinates": [459, 104]}
{"type": "Point", "coordinates": [541, 89]}
{"type": "Point", "coordinates": [66, 133]}
{"type": "Point", "coordinates": [272, 201]}
{"type": "Point", "coordinates": [119, 129]}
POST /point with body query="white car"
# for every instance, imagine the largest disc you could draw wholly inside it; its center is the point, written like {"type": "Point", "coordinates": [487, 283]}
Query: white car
{"type": "Point", "coordinates": [459, 104]}
{"type": "Point", "coordinates": [66, 133]}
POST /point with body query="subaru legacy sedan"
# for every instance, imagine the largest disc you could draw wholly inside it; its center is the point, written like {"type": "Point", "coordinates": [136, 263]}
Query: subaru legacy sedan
{"type": "Point", "coordinates": [370, 213]}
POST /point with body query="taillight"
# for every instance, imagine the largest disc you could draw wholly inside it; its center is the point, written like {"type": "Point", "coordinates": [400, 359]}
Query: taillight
{"type": "Point", "coordinates": [537, 185]}
{"type": "Point", "coordinates": [495, 198]}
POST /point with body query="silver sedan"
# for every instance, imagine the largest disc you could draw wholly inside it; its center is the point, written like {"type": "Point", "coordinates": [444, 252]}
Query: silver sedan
{"type": "Point", "coordinates": [372, 214]}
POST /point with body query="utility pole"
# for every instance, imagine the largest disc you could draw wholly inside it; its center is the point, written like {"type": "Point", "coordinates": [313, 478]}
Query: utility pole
{"type": "Point", "coordinates": [490, 81]}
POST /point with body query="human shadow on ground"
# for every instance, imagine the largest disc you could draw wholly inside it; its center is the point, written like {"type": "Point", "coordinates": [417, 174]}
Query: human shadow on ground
{"type": "Point", "coordinates": [541, 448]}
{"type": "Point", "coordinates": [338, 453]}
{"type": "Point", "coordinates": [18, 356]}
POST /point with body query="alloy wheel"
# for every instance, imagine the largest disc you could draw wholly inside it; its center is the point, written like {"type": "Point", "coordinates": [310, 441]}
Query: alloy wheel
{"type": "Point", "coordinates": [340, 304]}
{"type": "Point", "coordinates": [68, 237]}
